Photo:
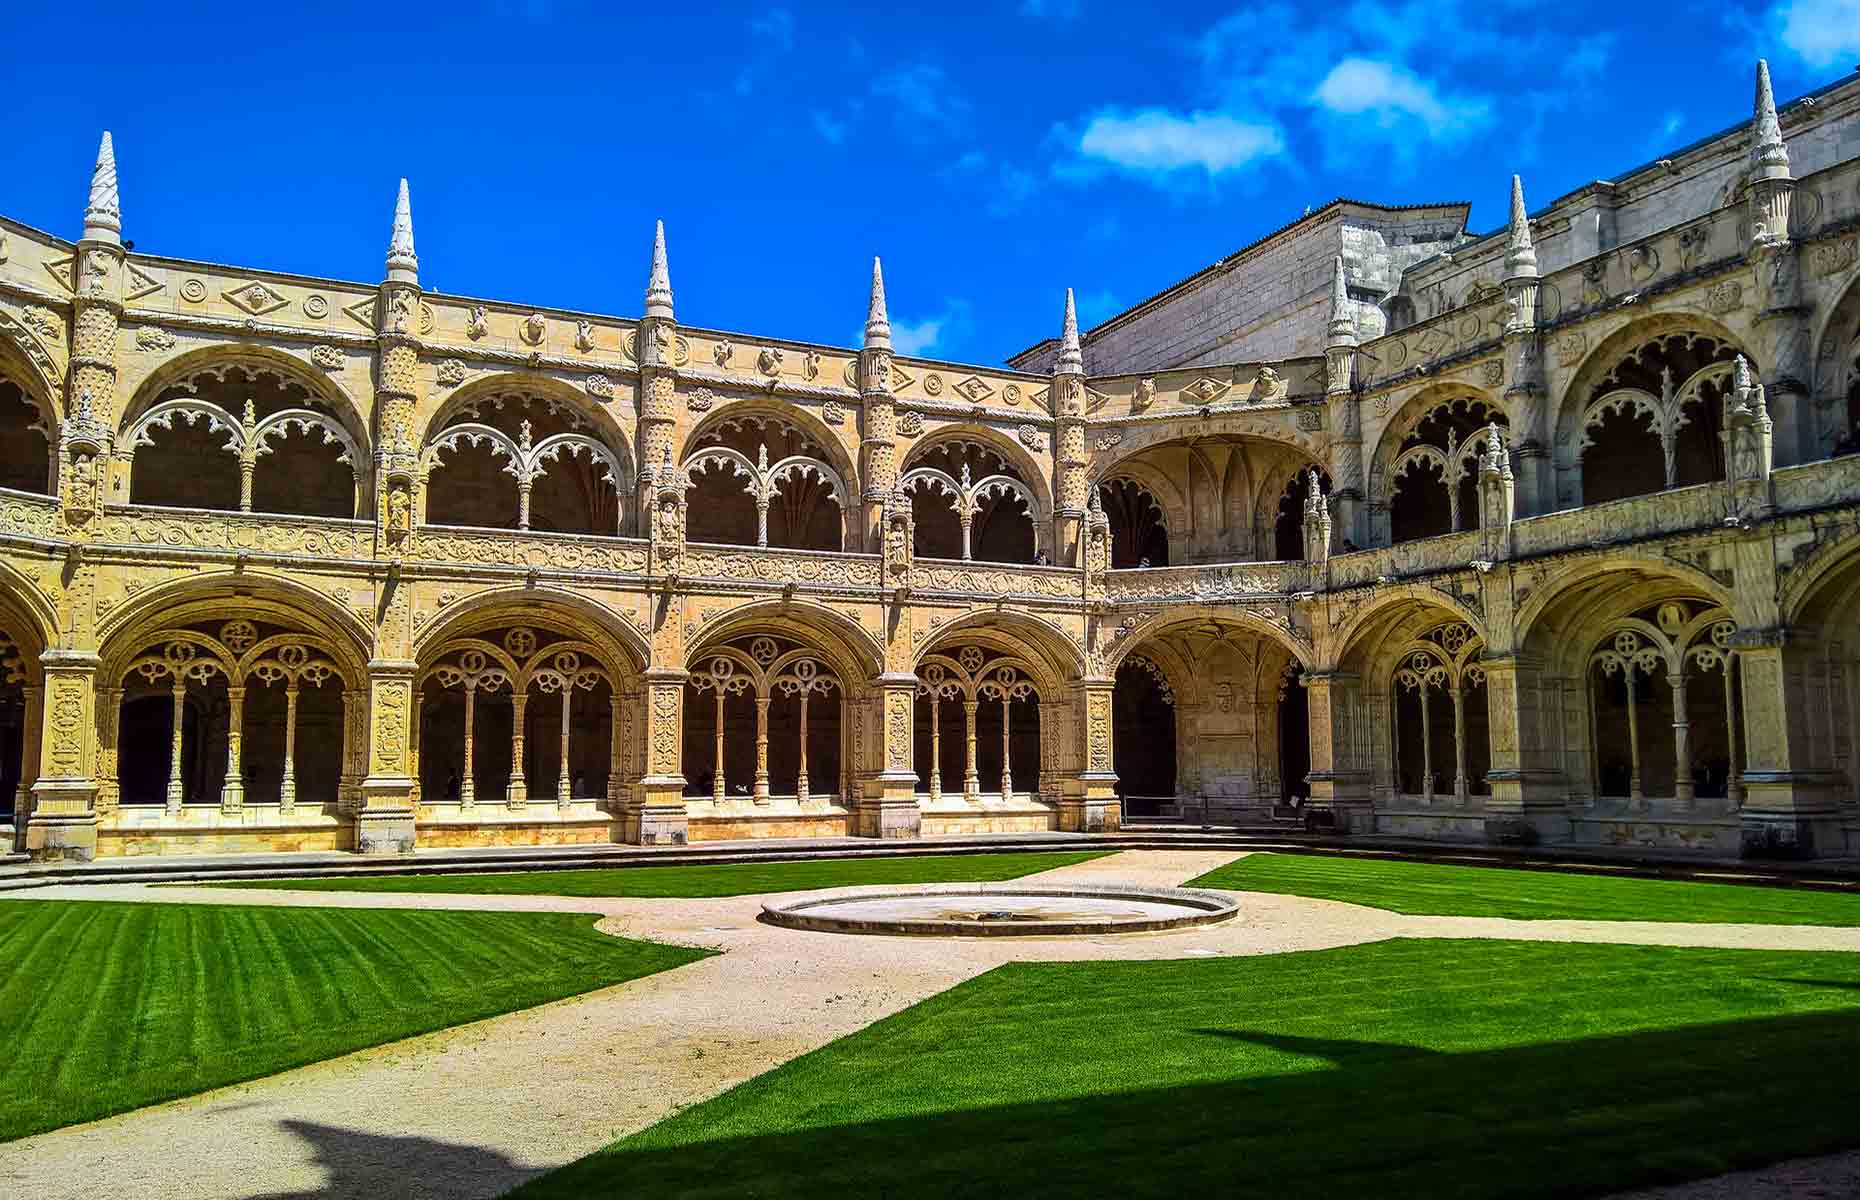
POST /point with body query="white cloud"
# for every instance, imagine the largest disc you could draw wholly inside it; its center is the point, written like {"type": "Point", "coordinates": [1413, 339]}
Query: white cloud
{"type": "Point", "coordinates": [1369, 87]}
{"type": "Point", "coordinates": [1155, 140]}
{"type": "Point", "coordinates": [1819, 32]}
{"type": "Point", "coordinates": [917, 339]}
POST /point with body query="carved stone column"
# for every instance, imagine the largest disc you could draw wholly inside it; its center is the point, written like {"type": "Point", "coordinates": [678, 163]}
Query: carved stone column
{"type": "Point", "coordinates": [888, 803]}
{"type": "Point", "coordinates": [1007, 769]}
{"type": "Point", "coordinates": [936, 748]}
{"type": "Point", "coordinates": [1338, 721]}
{"type": "Point", "coordinates": [1791, 803]}
{"type": "Point", "coordinates": [109, 721]}
{"type": "Point", "coordinates": [177, 785]}
{"type": "Point", "coordinates": [718, 790]}
{"type": "Point", "coordinates": [762, 750]}
{"type": "Point", "coordinates": [1528, 786]}
{"type": "Point", "coordinates": [1636, 790]}
{"type": "Point", "coordinates": [232, 788]}
{"type": "Point", "coordinates": [1526, 392]}
{"type": "Point", "coordinates": [1088, 799]}
{"type": "Point", "coordinates": [287, 787]}
{"type": "Point", "coordinates": [656, 815]}
{"type": "Point", "coordinates": [63, 824]}
{"type": "Point", "coordinates": [564, 783]}
{"type": "Point", "coordinates": [1684, 791]}
{"type": "Point", "coordinates": [1462, 790]}
{"type": "Point", "coordinates": [97, 270]}
{"type": "Point", "coordinates": [468, 786]}
{"type": "Point", "coordinates": [1734, 779]}
{"type": "Point", "coordinates": [397, 385]}
{"type": "Point", "coordinates": [1427, 747]}
{"type": "Point", "coordinates": [32, 696]}
{"type": "Point", "coordinates": [616, 749]}
{"type": "Point", "coordinates": [800, 779]}
{"type": "Point", "coordinates": [971, 776]}
{"type": "Point", "coordinates": [385, 823]}
{"type": "Point", "coordinates": [517, 791]}
{"type": "Point", "coordinates": [1345, 416]}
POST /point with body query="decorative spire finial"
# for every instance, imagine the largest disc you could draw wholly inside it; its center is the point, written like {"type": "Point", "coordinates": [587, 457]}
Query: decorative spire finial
{"type": "Point", "coordinates": [1520, 253]}
{"type": "Point", "coordinates": [659, 282]}
{"type": "Point", "coordinates": [103, 216]}
{"type": "Point", "coordinates": [1342, 321]}
{"type": "Point", "coordinates": [403, 265]}
{"type": "Point", "coordinates": [1071, 360]}
{"type": "Point", "coordinates": [877, 323]}
{"type": "Point", "coordinates": [1769, 157]}
{"type": "Point", "coordinates": [1740, 374]}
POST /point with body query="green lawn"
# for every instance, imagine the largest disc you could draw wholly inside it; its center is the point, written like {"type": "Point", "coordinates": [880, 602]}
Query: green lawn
{"type": "Point", "coordinates": [1445, 890]}
{"type": "Point", "coordinates": [733, 879]}
{"type": "Point", "coordinates": [113, 1006]}
{"type": "Point", "coordinates": [1397, 1069]}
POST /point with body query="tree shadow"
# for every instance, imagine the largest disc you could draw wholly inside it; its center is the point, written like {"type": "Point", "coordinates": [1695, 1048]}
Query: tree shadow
{"type": "Point", "coordinates": [1575, 1118]}
{"type": "Point", "coordinates": [372, 1166]}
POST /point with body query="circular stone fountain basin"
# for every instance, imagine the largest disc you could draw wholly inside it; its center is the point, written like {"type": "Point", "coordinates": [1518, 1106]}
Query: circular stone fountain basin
{"type": "Point", "coordinates": [990, 910]}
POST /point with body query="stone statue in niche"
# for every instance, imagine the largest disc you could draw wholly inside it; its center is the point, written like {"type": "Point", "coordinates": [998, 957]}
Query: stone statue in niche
{"type": "Point", "coordinates": [399, 513]}
{"type": "Point", "coordinates": [476, 326]}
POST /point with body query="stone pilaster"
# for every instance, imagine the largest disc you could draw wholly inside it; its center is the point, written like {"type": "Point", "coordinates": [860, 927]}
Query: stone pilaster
{"type": "Point", "coordinates": [1338, 726]}
{"type": "Point", "coordinates": [1528, 789]}
{"type": "Point", "coordinates": [1791, 793]}
{"type": "Point", "coordinates": [1088, 801]}
{"type": "Point", "coordinates": [656, 350]}
{"type": "Point", "coordinates": [385, 822]}
{"type": "Point", "coordinates": [63, 824]}
{"type": "Point", "coordinates": [888, 793]}
{"type": "Point", "coordinates": [655, 815]}
{"type": "Point", "coordinates": [96, 314]}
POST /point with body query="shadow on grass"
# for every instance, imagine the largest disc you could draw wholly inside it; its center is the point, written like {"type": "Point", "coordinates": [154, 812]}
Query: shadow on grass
{"type": "Point", "coordinates": [1573, 1118]}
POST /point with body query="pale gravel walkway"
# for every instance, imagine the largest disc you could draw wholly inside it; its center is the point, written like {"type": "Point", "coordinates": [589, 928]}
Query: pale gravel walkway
{"type": "Point", "coordinates": [474, 1110]}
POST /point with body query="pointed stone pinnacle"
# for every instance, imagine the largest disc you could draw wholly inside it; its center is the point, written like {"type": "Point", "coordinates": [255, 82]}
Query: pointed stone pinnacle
{"type": "Point", "coordinates": [103, 215]}
{"type": "Point", "coordinates": [1071, 360]}
{"type": "Point", "coordinates": [1520, 252]}
{"type": "Point", "coordinates": [877, 323]}
{"type": "Point", "coordinates": [1769, 156]}
{"type": "Point", "coordinates": [403, 265]}
{"type": "Point", "coordinates": [1342, 320]}
{"type": "Point", "coordinates": [659, 281]}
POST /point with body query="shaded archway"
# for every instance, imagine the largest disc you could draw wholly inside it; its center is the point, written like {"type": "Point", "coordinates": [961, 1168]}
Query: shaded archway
{"type": "Point", "coordinates": [970, 501]}
{"type": "Point", "coordinates": [27, 438]}
{"type": "Point", "coordinates": [244, 433]}
{"type": "Point", "coordinates": [1215, 498]}
{"type": "Point", "coordinates": [759, 479]}
{"type": "Point", "coordinates": [1139, 525]}
{"type": "Point", "coordinates": [1225, 685]}
{"type": "Point", "coordinates": [524, 458]}
{"type": "Point", "coordinates": [765, 728]}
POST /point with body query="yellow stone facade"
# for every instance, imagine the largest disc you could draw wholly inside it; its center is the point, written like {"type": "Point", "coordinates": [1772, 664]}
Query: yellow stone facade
{"type": "Point", "coordinates": [295, 564]}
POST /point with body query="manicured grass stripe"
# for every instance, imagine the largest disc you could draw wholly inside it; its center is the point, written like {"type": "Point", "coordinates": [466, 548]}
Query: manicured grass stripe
{"type": "Point", "coordinates": [1449, 890]}
{"type": "Point", "coordinates": [1396, 1069]}
{"type": "Point", "coordinates": [728, 879]}
{"type": "Point", "coordinates": [114, 1006]}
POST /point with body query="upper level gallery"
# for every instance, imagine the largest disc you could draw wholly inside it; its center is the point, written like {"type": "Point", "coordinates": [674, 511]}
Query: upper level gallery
{"type": "Point", "coordinates": [153, 402]}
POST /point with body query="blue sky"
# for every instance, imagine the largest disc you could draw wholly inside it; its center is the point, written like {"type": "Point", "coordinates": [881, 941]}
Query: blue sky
{"type": "Point", "coordinates": [994, 155]}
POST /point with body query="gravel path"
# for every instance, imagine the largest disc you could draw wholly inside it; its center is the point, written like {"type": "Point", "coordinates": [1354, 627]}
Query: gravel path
{"type": "Point", "coordinates": [474, 1110]}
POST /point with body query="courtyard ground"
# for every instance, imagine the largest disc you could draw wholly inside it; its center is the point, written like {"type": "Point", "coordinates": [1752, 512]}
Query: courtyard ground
{"type": "Point", "coordinates": [484, 1107]}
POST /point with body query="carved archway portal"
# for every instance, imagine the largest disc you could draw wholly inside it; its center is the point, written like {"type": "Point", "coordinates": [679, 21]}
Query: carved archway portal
{"type": "Point", "coordinates": [236, 713]}
{"type": "Point", "coordinates": [764, 727]}
{"type": "Point", "coordinates": [969, 502]}
{"type": "Point", "coordinates": [757, 480]}
{"type": "Point", "coordinates": [521, 461]}
{"type": "Point", "coordinates": [1440, 721]}
{"type": "Point", "coordinates": [1208, 721]}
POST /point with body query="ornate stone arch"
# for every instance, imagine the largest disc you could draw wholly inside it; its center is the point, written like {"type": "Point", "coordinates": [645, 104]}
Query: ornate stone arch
{"type": "Point", "coordinates": [1406, 418]}
{"type": "Point", "coordinates": [1576, 399]}
{"type": "Point", "coordinates": [1032, 474]}
{"type": "Point", "coordinates": [1610, 580]}
{"type": "Point", "coordinates": [1836, 368]}
{"type": "Point", "coordinates": [182, 367]}
{"type": "Point", "coordinates": [802, 420]}
{"type": "Point", "coordinates": [596, 420]}
{"type": "Point", "coordinates": [854, 653]}
{"type": "Point", "coordinates": [1127, 637]}
{"type": "Point", "coordinates": [1053, 659]}
{"type": "Point", "coordinates": [38, 395]}
{"type": "Point", "coordinates": [623, 649]}
{"type": "Point", "coordinates": [193, 599]}
{"type": "Point", "coordinates": [1386, 609]}
{"type": "Point", "coordinates": [26, 611]}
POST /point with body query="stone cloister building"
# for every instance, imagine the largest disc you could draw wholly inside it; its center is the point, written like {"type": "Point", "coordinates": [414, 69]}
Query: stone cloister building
{"type": "Point", "coordinates": [1547, 534]}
